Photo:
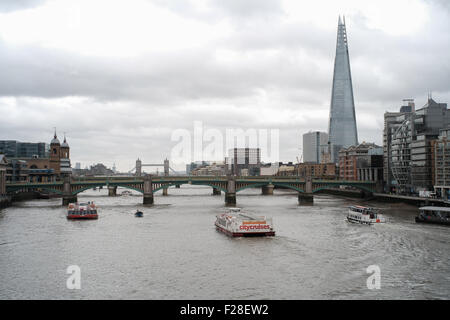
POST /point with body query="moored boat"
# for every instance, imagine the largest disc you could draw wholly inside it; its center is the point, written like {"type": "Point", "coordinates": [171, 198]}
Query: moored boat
{"type": "Point", "coordinates": [237, 224]}
{"type": "Point", "coordinates": [85, 210]}
{"type": "Point", "coordinates": [436, 215]}
{"type": "Point", "coordinates": [364, 215]}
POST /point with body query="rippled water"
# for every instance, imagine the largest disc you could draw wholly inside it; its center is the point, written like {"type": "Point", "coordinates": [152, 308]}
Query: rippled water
{"type": "Point", "coordinates": [174, 251]}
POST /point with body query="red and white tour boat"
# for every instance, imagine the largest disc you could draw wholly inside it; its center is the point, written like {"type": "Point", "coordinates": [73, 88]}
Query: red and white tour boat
{"type": "Point", "coordinates": [86, 210]}
{"type": "Point", "coordinates": [236, 224]}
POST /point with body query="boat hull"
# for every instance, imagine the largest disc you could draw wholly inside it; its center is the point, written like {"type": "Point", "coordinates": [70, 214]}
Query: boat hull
{"type": "Point", "coordinates": [358, 221]}
{"type": "Point", "coordinates": [364, 215]}
{"type": "Point", "coordinates": [82, 217]}
{"type": "Point", "coordinates": [245, 234]}
{"type": "Point", "coordinates": [432, 221]}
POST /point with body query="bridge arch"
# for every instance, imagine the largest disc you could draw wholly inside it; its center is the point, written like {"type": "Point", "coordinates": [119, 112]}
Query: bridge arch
{"type": "Point", "coordinates": [360, 187]}
{"type": "Point", "coordinates": [288, 186]}
{"type": "Point", "coordinates": [262, 184]}
{"type": "Point", "coordinates": [106, 185]}
{"type": "Point", "coordinates": [87, 188]}
{"type": "Point", "coordinates": [49, 188]}
{"type": "Point", "coordinates": [192, 183]}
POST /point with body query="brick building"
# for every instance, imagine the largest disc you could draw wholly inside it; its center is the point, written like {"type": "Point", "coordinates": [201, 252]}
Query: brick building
{"type": "Point", "coordinates": [361, 162]}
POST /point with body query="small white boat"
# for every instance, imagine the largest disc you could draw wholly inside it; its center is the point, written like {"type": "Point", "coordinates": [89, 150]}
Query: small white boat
{"type": "Point", "coordinates": [236, 224]}
{"type": "Point", "coordinates": [126, 193]}
{"type": "Point", "coordinates": [364, 215]}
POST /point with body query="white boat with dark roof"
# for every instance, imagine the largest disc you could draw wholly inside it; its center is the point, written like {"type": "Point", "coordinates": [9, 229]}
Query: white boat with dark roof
{"type": "Point", "coordinates": [436, 215]}
{"type": "Point", "coordinates": [364, 215]}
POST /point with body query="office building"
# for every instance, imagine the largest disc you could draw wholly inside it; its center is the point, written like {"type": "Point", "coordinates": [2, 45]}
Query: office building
{"type": "Point", "coordinates": [17, 149]}
{"type": "Point", "coordinates": [314, 145]}
{"type": "Point", "coordinates": [316, 170]}
{"type": "Point", "coordinates": [440, 162]}
{"type": "Point", "coordinates": [408, 144]}
{"type": "Point", "coordinates": [244, 158]}
{"type": "Point", "coordinates": [361, 162]}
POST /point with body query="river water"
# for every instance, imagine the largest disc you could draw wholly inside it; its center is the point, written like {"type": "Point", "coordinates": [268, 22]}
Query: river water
{"type": "Point", "coordinates": [174, 251]}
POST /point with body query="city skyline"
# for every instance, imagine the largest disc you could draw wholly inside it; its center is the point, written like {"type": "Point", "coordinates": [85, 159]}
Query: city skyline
{"type": "Point", "coordinates": [264, 65]}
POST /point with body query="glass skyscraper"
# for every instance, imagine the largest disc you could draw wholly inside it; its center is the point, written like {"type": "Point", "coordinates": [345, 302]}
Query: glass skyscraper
{"type": "Point", "coordinates": [342, 124]}
{"type": "Point", "coordinates": [17, 149]}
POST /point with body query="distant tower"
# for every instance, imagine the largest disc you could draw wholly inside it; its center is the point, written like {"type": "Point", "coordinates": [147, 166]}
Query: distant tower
{"type": "Point", "coordinates": [65, 167]}
{"type": "Point", "coordinates": [342, 130]}
{"type": "Point", "coordinates": [138, 167]}
{"type": "Point", "coordinates": [65, 150]}
{"type": "Point", "coordinates": [55, 155]}
{"type": "Point", "coordinates": [166, 167]}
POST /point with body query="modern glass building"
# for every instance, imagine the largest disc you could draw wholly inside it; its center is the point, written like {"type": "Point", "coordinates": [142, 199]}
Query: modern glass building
{"type": "Point", "coordinates": [342, 130]}
{"type": "Point", "coordinates": [408, 146]}
{"type": "Point", "coordinates": [16, 149]}
{"type": "Point", "coordinates": [314, 144]}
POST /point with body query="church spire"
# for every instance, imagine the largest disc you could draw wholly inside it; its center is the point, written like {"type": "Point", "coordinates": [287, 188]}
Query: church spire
{"type": "Point", "coordinates": [65, 144]}
{"type": "Point", "coordinates": [55, 138]}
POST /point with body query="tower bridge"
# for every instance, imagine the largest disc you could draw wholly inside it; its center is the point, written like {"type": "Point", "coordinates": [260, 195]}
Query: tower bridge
{"type": "Point", "coordinates": [138, 170]}
{"type": "Point", "coordinates": [68, 189]}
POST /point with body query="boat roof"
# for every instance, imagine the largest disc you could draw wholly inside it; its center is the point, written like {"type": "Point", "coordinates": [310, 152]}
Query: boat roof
{"type": "Point", "coordinates": [251, 217]}
{"type": "Point", "coordinates": [362, 207]}
{"type": "Point", "coordinates": [431, 208]}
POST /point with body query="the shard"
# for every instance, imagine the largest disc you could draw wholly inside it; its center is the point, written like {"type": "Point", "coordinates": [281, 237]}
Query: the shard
{"type": "Point", "coordinates": [342, 124]}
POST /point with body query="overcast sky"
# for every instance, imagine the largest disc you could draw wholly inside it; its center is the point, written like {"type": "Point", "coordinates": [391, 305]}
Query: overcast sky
{"type": "Point", "coordinates": [120, 76]}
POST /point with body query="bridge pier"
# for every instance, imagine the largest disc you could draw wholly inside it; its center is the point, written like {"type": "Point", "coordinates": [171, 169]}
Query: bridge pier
{"type": "Point", "coordinates": [230, 199]}
{"type": "Point", "coordinates": [148, 199]}
{"type": "Point", "coordinates": [230, 195]}
{"type": "Point", "coordinates": [379, 186]}
{"type": "Point", "coordinates": [177, 186]}
{"type": "Point", "coordinates": [148, 190]}
{"type": "Point", "coordinates": [69, 199]}
{"type": "Point", "coordinates": [165, 192]}
{"type": "Point", "coordinates": [112, 191]}
{"type": "Point", "coordinates": [216, 192]}
{"type": "Point", "coordinates": [305, 199]}
{"type": "Point", "coordinates": [267, 190]}
{"type": "Point", "coordinates": [366, 195]}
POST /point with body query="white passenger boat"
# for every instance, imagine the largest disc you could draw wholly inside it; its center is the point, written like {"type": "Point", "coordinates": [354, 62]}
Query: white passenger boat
{"type": "Point", "coordinates": [237, 224]}
{"type": "Point", "coordinates": [364, 215]}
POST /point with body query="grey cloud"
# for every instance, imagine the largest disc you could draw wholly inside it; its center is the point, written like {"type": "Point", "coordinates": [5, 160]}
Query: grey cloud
{"type": "Point", "coordinates": [134, 104]}
{"type": "Point", "coordinates": [250, 7]}
{"type": "Point", "coordinates": [30, 71]}
{"type": "Point", "coordinates": [14, 5]}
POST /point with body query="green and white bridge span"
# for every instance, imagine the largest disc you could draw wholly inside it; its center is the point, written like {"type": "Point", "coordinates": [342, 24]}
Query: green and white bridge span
{"type": "Point", "coordinates": [148, 185]}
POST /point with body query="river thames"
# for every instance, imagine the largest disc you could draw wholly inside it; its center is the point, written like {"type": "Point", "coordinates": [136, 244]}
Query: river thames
{"type": "Point", "coordinates": [174, 251]}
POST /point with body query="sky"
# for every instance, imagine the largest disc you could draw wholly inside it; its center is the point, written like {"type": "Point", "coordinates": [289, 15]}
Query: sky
{"type": "Point", "coordinates": [120, 77]}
